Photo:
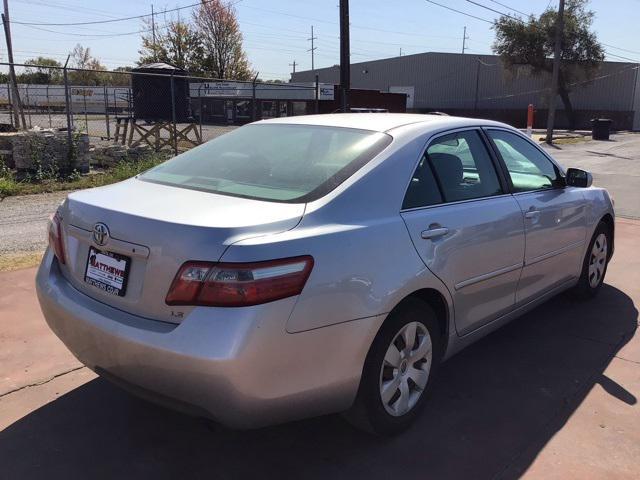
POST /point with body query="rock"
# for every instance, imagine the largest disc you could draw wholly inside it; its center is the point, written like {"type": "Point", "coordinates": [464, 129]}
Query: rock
{"type": "Point", "coordinates": [48, 150]}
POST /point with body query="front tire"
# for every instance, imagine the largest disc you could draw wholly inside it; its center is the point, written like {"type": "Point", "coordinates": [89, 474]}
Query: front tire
{"type": "Point", "coordinates": [399, 370]}
{"type": "Point", "coordinates": [596, 260]}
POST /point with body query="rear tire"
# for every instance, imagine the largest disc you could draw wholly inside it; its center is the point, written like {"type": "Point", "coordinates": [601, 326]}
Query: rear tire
{"type": "Point", "coordinates": [594, 265]}
{"type": "Point", "coordinates": [399, 370]}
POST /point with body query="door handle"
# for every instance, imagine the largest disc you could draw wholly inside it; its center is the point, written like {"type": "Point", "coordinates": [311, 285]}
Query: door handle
{"type": "Point", "coordinates": [532, 214]}
{"type": "Point", "coordinates": [434, 233]}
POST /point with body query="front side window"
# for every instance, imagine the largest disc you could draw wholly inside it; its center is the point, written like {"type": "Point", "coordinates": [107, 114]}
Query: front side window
{"type": "Point", "coordinates": [274, 162]}
{"type": "Point", "coordinates": [529, 169]}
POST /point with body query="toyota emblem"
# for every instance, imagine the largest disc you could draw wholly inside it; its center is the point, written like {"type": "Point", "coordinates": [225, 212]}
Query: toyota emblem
{"type": "Point", "coordinates": [100, 234]}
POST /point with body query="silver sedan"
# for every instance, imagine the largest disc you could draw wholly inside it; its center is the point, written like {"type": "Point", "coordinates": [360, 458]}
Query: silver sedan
{"type": "Point", "coordinates": [309, 265]}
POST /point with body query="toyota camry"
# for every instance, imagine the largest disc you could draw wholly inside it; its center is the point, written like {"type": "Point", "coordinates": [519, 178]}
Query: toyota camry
{"type": "Point", "coordinates": [301, 266]}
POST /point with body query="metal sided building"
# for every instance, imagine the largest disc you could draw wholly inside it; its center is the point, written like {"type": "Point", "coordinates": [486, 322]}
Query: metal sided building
{"type": "Point", "coordinates": [479, 85]}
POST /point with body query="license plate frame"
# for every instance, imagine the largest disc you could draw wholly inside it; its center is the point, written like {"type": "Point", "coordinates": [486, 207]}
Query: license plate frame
{"type": "Point", "coordinates": [104, 274]}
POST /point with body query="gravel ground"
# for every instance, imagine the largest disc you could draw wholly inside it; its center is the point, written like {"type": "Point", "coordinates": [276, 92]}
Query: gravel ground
{"type": "Point", "coordinates": [23, 221]}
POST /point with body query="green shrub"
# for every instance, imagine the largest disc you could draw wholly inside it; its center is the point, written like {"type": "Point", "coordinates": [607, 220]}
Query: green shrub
{"type": "Point", "coordinates": [44, 181]}
{"type": "Point", "coordinates": [8, 187]}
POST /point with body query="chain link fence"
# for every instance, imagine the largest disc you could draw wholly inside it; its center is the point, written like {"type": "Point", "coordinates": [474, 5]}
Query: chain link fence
{"type": "Point", "coordinates": [155, 105]}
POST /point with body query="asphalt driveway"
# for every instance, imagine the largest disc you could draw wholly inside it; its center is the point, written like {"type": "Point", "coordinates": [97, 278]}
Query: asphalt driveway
{"type": "Point", "coordinates": [552, 395]}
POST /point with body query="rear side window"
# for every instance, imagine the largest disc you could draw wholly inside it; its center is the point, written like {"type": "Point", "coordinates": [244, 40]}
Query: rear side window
{"type": "Point", "coordinates": [423, 189]}
{"type": "Point", "coordinates": [528, 168]}
{"type": "Point", "coordinates": [455, 167]}
{"type": "Point", "coordinates": [274, 162]}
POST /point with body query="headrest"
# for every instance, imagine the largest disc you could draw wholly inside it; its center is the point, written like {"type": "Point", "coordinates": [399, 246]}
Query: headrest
{"type": "Point", "coordinates": [449, 169]}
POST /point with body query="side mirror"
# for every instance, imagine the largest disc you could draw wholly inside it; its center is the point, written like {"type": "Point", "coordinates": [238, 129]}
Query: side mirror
{"type": "Point", "coordinates": [578, 178]}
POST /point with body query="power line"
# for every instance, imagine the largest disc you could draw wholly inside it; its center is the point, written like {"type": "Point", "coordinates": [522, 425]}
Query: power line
{"type": "Point", "coordinates": [353, 26]}
{"type": "Point", "coordinates": [510, 8]}
{"type": "Point", "coordinates": [623, 58]}
{"type": "Point", "coordinates": [491, 9]}
{"type": "Point", "coordinates": [67, 7]}
{"type": "Point", "coordinates": [523, 22]}
{"type": "Point", "coordinates": [460, 12]}
{"type": "Point", "coordinates": [619, 48]}
{"type": "Point", "coordinates": [122, 19]}
{"type": "Point", "coordinates": [92, 35]}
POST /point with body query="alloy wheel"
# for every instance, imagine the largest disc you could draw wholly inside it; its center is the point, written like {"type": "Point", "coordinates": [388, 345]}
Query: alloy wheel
{"type": "Point", "coordinates": [405, 369]}
{"type": "Point", "coordinates": [597, 260]}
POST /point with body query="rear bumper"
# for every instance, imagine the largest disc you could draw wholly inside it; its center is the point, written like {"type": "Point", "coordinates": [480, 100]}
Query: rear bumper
{"type": "Point", "coordinates": [238, 366]}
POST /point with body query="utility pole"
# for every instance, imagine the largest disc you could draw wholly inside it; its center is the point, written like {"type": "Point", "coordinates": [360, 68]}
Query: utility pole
{"type": "Point", "coordinates": [18, 113]}
{"type": "Point", "coordinates": [312, 50]}
{"type": "Point", "coordinates": [464, 39]}
{"type": "Point", "coordinates": [67, 105]}
{"type": "Point", "coordinates": [345, 62]}
{"type": "Point", "coordinates": [475, 101]}
{"type": "Point", "coordinates": [153, 30]}
{"type": "Point", "coordinates": [293, 65]}
{"type": "Point", "coordinates": [557, 51]}
{"type": "Point", "coordinates": [400, 51]}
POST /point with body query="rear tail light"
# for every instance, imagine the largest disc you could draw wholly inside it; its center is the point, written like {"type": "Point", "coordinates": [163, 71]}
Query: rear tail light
{"type": "Point", "coordinates": [239, 284]}
{"type": "Point", "coordinates": [55, 237]}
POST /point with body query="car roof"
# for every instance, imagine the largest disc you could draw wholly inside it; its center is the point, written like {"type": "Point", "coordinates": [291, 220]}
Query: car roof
{"type": "Point", "coordinates": [381, 122]}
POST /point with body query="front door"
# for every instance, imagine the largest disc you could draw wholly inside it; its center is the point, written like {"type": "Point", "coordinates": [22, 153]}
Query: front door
{"type": "Point", "coordinates": [466, 227]}
{"type": "Point", "coordinates": [554, 215]}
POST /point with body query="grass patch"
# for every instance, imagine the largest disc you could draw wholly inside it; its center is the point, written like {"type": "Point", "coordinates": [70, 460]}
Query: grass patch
{"type": "Point", "coordinates": [571, 140]}
{"type": "Point", "coordinates": [17, 261]}
{"type": "Point", "coordinates": [10, 186]}
{"type": "Point", "coordinates": [564, 140]}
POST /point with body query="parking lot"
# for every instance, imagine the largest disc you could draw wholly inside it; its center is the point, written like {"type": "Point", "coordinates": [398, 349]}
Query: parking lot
{"type": "Point", "coordinates": [552, 395]}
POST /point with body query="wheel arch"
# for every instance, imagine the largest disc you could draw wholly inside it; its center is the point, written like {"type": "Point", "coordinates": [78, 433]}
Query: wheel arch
{"type": "Point", "coordinates": [438, 302]}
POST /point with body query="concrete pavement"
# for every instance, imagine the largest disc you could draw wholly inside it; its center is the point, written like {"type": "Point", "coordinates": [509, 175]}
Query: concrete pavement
{"type": "Point", "coordinates": [552, 395]}
{"type": "Point", "coordinates": [615, 165]}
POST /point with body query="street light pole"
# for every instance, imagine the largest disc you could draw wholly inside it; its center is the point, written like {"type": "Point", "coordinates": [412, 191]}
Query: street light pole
{"type": "Point", "coordinates": [557, 52]}
{"type": "Point", "coordinates": [345, 62]}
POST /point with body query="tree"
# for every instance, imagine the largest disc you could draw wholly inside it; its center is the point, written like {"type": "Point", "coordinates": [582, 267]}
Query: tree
{"type": "Point", "coordinates": [42, 73]}
{"type": "Point", "coordinates": [178, 44]}
{"type": "Point", "coordinates": [531, 42]}
{"type": "Point", "coordinates": [222, 41]}
{"type": "Point", "coordinates": [89, 67]}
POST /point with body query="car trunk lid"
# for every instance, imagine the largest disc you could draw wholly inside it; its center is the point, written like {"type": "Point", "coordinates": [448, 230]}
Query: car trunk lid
{"type": "Point", "coordinates": [153, 229]}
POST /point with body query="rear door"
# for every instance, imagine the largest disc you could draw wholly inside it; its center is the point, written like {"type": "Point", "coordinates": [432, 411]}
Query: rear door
{"type": "Point", "coordinates": [466, 226]}
{"type": "Point", "coordinates": [554, 215]}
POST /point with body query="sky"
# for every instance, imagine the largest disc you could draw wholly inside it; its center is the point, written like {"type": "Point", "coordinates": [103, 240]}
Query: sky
{"type": "Point", "coordinates": [276, 32]}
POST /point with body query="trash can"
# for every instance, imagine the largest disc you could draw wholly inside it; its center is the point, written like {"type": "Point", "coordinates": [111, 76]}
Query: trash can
{"type": "Point", "coordinates": [600, 128]}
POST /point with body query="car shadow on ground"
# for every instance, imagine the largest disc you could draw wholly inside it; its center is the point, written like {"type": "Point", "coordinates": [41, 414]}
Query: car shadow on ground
{"type": "Point", "coordinates": [496, 405]}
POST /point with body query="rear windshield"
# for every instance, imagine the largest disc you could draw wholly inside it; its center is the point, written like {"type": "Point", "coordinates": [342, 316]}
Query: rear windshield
{"type": "Point", "coordinates": [274, 162]}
